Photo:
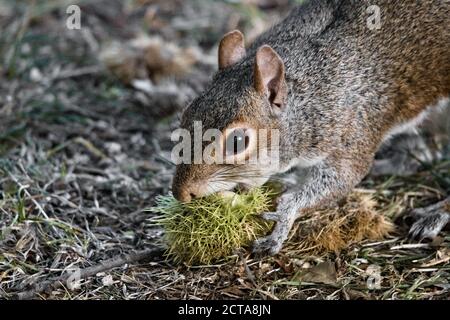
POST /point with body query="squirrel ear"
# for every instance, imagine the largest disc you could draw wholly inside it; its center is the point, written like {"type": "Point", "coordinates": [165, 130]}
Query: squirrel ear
{"type": "Point", "coordinates": [269, 76]}
{"type": "Point", "coordinates": [231, 49]}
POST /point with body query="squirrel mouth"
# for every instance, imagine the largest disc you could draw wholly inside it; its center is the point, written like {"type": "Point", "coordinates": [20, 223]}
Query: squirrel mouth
{"type": "Point", "coordinates": [241, 187]}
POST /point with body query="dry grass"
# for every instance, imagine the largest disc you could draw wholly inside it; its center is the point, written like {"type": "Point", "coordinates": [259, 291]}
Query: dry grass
{"type": "Point", "coordinates": [335, 229]}
{"type": "Point", "coordinates": [82, 155]}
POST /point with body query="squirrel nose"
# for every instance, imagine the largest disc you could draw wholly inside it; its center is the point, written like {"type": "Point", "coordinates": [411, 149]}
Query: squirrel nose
{"type": "Point", "coordinates": [185, 194]}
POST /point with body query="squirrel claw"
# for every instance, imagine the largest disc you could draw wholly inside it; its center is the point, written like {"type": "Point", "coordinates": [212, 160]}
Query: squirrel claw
{"type": "Point", "coordinates": [272, 243]}
{"type": "Point", "coordinates": [268, 245]}
{"type": "Point", "coordinates": [426, 228]}
{"type": "Point", "coordinates": [429, 221]}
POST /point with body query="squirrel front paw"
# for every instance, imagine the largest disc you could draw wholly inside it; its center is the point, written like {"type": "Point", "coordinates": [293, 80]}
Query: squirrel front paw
{"type": "Point", "coordinates": [273, 243]}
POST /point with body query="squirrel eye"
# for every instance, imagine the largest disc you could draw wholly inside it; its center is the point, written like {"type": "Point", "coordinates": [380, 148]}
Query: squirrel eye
{"type": "Point", "coordinates": [237, 142]}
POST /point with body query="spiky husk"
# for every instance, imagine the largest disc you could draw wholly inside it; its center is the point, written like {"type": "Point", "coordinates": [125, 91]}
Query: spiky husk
{"type": "Point", "coordinates": [208, 229]}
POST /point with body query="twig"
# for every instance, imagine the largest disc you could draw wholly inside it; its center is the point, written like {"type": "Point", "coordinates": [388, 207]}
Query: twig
{"type": "Point", "coordinates": [411, 246]}
{"type": "Point", "coordinates": [66, 74]}
{"type": "Point", "coordinates": [373, 244]}
{"type": "Point", "coordinates": [249, 272]}
{"type": "Point", "coordinates": [112, 263]}
{"type": "Point", "coordinates": [90, 146]}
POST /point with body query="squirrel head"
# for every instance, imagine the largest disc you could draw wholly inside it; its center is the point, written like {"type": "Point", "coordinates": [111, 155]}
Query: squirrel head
{"type": "Point", "coordinates": [241, 109]}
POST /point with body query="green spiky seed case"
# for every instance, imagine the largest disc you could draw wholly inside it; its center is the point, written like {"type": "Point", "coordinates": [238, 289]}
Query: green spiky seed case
{"type": "Point", "coordinates": [207, 229]}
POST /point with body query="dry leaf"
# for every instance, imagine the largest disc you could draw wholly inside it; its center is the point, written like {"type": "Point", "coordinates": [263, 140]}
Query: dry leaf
{"type": "Point", "coordinates": [324, 272]}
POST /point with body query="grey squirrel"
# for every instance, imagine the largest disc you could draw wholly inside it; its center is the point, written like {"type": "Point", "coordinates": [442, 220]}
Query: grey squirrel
{"type": "Point", "coordinates": [336, 89]}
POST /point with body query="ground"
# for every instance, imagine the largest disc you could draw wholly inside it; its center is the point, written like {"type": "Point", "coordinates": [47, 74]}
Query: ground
{"type": "Point", "coordinates": [85, 148]}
